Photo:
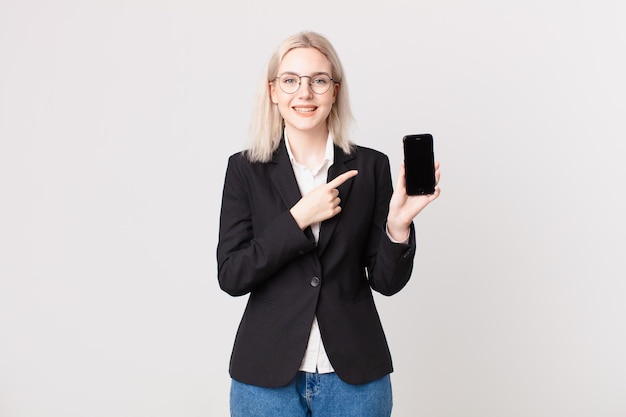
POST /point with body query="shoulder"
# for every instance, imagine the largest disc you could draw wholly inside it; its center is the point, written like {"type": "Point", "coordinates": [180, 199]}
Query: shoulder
{"type": "Point", "coordinates": [238, 166]}
{"type": "Point", "coordinates": [370, 153]}
{"type": "Point", "coordinates": [369, 157]}
{"type": "Point", "coordinates": [247, 157]}
{"type": "Point", "coordinates": [240, 160]}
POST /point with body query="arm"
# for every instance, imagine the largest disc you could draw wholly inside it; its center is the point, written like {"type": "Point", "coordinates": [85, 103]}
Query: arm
{"type": "Point", "coordinates": [247, 257]}
{"type": "Point", "coordinates": [389, 267]}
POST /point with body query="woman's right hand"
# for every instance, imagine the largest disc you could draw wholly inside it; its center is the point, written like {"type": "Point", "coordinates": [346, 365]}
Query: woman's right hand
{"type": "Point", "coordinates": [321, 203]}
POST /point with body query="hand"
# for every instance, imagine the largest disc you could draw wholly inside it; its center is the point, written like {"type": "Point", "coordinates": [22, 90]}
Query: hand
{"type": "Point", "coordinates": [403, 208]}
{"type": "Point", "coordinates": [320, 203]}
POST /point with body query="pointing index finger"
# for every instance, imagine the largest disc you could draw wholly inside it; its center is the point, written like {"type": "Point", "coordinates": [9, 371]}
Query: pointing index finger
{"type": "Point", "coordinates": [340, 179]}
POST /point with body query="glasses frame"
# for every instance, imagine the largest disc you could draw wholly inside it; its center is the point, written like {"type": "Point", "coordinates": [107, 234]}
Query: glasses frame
{"type": "Point", "coordinates": [300, 77]}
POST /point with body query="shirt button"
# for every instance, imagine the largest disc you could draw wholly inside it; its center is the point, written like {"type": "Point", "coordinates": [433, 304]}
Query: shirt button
{"type": "Point", "coordinates": [315, 281]}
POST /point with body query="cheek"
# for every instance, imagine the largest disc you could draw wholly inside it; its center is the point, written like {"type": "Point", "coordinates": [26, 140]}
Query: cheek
{"type": "Point", "coordinates": [279, 99]}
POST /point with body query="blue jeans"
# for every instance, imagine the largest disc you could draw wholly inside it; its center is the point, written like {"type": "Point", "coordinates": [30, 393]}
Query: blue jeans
{"type": "Point", "coordinates": [312, 395]}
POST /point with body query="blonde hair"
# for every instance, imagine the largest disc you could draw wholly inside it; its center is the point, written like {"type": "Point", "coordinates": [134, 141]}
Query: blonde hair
{"type": "Point", "coordinates": [267, 123]}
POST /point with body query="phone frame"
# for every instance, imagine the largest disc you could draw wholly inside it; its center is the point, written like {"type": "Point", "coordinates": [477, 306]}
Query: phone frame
{"type": "Point", "coordinates": [419, 164]}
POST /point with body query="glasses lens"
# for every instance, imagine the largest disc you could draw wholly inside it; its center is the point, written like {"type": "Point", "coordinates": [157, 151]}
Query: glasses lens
{"type": "Point", "coordinates": [289, 83]}
{"type": "Point", "coordinates": [320, 83]}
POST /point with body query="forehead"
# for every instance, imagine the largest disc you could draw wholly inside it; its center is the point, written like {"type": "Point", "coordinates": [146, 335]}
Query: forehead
{"type": "Point", "coordinates": [304, 61]}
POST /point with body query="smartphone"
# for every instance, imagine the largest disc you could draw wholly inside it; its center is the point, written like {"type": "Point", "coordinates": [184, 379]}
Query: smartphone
{"type": "Point", "coordinates": [419, 164]}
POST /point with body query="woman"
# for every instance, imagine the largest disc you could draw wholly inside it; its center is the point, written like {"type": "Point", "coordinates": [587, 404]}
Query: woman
{"type": "Point", "coordinates": [310, 224]}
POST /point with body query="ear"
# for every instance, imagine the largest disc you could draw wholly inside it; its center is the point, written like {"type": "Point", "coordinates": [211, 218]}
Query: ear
{"type": "Point", "coordinates": [336, 88]}
{"type": "Point", "coordinates": [272, 88]}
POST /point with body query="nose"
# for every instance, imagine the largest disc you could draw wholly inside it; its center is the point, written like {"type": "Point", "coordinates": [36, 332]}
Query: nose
{"type": "Point", "coordinates": [305, 89]}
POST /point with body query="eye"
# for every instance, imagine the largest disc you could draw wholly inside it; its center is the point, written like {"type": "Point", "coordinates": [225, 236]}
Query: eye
{"type": "Point", "coordinates": [289, 80]}
{"type": "Point", "coordinates": [322, 81]}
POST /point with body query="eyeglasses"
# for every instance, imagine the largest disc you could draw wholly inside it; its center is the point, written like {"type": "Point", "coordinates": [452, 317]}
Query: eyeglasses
{"type": "Point", "coordinates": [290, 83]}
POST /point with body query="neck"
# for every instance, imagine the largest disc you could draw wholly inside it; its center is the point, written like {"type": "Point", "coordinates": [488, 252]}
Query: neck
{"type": "Point", "coordinates": [308, 149]}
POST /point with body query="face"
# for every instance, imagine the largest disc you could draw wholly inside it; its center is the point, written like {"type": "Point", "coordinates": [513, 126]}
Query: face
{"type": "Point", "coordinates": [304, 111]}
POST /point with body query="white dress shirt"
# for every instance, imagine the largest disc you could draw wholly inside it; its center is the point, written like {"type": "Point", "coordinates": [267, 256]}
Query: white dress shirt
{"type": "Point", "coordinates": [315, 358]}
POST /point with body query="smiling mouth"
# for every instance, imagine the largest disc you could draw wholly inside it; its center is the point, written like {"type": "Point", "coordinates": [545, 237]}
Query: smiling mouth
{"type": "Point", "coordinates": [305, 110]}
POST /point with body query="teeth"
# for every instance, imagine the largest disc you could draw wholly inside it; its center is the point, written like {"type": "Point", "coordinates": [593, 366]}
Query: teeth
{"type": "Point", "coordinates": [304, 109]}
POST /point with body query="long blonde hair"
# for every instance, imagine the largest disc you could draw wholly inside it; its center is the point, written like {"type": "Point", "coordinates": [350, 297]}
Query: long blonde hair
{"type": "Point", "coordinates": [267, 123]}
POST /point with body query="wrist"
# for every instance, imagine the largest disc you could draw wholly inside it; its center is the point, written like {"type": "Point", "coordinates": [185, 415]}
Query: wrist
{"type": "Point", "coordinates": [398, 235]}
{"type": "Point", "coordinates": [297, 217]}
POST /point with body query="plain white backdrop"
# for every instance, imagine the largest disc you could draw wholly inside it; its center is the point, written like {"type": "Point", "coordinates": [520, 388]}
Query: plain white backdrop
{"type": "Point", "coordinates": [116, 121]}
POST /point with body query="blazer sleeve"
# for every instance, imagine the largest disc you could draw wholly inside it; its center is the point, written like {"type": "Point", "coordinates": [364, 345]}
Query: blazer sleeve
{"type": "Point", "coordinates": [246, 256]}
{"type": "Point", "coordinates": [389, 265]}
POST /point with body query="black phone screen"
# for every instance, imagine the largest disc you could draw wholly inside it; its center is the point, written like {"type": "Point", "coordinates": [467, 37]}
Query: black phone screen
{"type": "Point", "coordinates": [419, 164]}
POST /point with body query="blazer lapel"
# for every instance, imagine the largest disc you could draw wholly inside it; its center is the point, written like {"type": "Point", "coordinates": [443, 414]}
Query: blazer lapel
{"type": "Point", "coordinates": [340, 165]}
{"type": "Point", "coordinates": [283, 177]}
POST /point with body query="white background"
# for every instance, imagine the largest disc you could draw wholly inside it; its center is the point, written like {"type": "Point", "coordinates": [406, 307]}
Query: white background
{"type": "Point", "coordinates": [116, 121]}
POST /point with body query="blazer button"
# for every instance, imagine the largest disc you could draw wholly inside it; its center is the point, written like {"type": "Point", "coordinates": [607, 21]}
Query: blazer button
{"type": "Point", "coordinates": [315, 281]}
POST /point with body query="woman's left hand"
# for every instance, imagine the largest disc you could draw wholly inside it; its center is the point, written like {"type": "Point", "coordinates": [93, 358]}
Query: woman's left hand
{"type": "Point", "coordinates": [403, 208]}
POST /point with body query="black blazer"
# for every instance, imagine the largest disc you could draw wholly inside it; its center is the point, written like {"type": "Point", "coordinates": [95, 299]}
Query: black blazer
{"type": "Point", "coordinates": [262, 251]}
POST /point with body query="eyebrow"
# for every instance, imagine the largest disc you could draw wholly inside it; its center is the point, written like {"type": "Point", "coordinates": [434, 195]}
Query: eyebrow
{"type": "Point", "coordinates": [295, 73]}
